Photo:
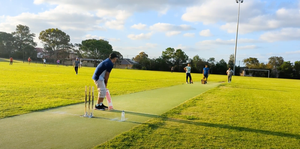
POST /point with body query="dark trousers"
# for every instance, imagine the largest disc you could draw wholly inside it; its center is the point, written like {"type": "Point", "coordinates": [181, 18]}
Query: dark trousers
{"type": "Point", "coordinates": [188, 75]}
{"type": "Point", "coordinates": [229, 78]}
{"type": "Point", "coordinates": [76, 70]}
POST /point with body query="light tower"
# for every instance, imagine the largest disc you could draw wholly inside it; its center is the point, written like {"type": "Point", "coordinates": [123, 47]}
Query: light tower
{"type": "Point", "coordinates": [236, 36]}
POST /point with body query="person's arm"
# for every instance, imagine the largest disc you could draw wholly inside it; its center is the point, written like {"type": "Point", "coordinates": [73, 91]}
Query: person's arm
{"type": "Point", "coordinates": [106, 78]}
{"type": "Point", "coordinates": [203, 71]}
{"type": "Point", "coordinates": [184, 69]}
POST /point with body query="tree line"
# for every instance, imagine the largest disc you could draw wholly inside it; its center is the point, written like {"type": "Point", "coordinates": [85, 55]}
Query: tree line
{"type": "Point", "coordinates": [178, 60]}
{"type": "Point", "coordinates": [20, 45]}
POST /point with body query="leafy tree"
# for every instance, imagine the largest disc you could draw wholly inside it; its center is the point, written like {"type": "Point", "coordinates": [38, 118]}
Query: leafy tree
{"type": "Point", "coordinates": [55, 41]}
{"type": "Point", "coordinates": [297, 69]}
{"type": "Point", "coordinates": [179, 58]}
{"type": "Point", "coordinates": [96, 49]}
{"type": "Point", "coordinates": [6, 44]}
{"type": "Point", "coordinates": [143, 61]}
{"type": "Point", "coordinates": [274, 63]}
{"type": "Point", "coordinates": [198, 63]}
{"type": "Point", "coordinates": [212, 64]}
{"type": "Point", "coordinates": [221, 67]}
{"type": "Point", "coordinates": [24, 42]}
{"type": "Point", "coordinates": [286, 70]}
{"type": "Point", "coordinates": [168, 56]}
{"type": "Point", "coordinates": [251, 62]}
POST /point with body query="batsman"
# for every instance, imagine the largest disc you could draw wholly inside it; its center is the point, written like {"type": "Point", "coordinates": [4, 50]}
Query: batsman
{"type": "Point", "coordinates": [101, 77]}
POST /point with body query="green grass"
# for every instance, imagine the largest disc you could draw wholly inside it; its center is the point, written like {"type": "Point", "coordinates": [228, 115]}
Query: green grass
{"type": "Point", "coordinates": [247, 113]}
{"type": "Point", "coordinates": [25, 88]}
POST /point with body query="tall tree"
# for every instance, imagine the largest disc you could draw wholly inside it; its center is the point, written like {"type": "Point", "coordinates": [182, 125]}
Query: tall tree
{"type": "Point", "coordinates": [198, 63]}
{"type": "Point", "coordinates": [297, 69]}
{"type": "Point", "coordinates": [6, 44]}
{"type": "Point", "coordinates": [275, 62]}
{"type": "Point", "coordinates": [251, 62]}
{"type": "Point", "coordinates": [143, 61]}
{"type": "Point", "coordinates": [212, 64]}
{"type": "Point", "coordinates": [221, 67]}
{"type": "Point", "coordinates": [55, 41]}
{"type": "Point", "coordinates": [286, 70]}
{"type": "Point", "coordinates": [96, 49]}
{"type": "Point", "coordinates": [179, 58]}
{"type": "Point", "coordinates": [168, 56]}
{"type": "Point", "coordinates": [24, 40]}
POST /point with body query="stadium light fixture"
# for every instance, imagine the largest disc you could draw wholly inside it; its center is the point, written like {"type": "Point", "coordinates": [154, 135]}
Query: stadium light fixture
{"type": "Point", "coordinates": [237, 31]}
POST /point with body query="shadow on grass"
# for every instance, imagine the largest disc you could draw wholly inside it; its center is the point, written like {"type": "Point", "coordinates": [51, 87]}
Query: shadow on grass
{"type": "Point", "coordinates": [237, 128]}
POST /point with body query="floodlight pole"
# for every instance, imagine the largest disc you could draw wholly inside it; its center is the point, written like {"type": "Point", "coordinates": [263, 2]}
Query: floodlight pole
{"type": "Point", "coordinates": [236, 36]}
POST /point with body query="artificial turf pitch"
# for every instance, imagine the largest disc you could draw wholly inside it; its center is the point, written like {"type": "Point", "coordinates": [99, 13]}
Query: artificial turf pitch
{"type": "Point", "coordinates": [64, 128]}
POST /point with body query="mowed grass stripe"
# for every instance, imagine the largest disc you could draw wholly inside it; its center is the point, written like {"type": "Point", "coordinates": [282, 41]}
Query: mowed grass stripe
{"type": "Point", "coordinates": [25, 88]}
{"type": "Point", "coordinates": [247, 113]}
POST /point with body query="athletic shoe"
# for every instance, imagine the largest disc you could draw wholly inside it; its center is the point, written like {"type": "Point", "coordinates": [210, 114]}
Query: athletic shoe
{"type": "Point", "coordinates": [187, 83]}
{"type": "Point", "coordinates": [105, 107]}
{"type": "Point", "coordinates": [102, 107]}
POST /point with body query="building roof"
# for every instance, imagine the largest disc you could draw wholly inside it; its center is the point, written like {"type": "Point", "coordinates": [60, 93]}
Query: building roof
{"type": "Point", "coordinates": [127, 61]}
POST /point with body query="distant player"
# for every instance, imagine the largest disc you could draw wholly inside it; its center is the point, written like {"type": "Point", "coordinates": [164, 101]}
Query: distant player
{"type": "Point", "coordinates": [58, 62]}
{"type": "Point", "coordinates": [188, 73]}
{"type": "Point", "coordinates": [44, 61]}
{"type": "Point", "coordinates": [76, 65]}
{"type": "Point", "coordinates": [11, 60]}
{"type": "Point", "coordinates": [172, 69]}
{"type": "Point", "coordinates": [101, 77]}
{"type": "Point", "coordinates": [29, 60]}
{"type": "Point", "coordinates": [229, 73]}
{"type": "Point", "coordinates": [205, 73]}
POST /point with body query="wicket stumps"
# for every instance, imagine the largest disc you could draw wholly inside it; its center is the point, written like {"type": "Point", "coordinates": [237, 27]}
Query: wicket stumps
{"type": "Point", "coordinates": [88, 98]}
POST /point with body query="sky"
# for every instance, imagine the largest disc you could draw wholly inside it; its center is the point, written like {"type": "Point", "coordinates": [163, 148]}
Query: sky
{"type": "Point", "coordinates": [199, 27]}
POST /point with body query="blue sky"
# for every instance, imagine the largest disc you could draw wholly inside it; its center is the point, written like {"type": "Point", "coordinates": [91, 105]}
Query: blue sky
{"type": "Point", "coordinates": [199, 27]}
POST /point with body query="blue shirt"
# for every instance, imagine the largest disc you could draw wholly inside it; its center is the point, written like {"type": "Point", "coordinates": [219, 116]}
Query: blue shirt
{"type": "Point", "coordinates": [102, 68]}
{"type": "Point", "coordinates": [188, 69]}
{"type": "Point", "coordinates": [206, 70]}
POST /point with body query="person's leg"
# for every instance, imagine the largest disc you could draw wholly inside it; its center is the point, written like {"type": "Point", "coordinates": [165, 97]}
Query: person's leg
{"type": "Point", "coordinates": [186, 77]}
{"type": "Point", "coordinates": [76, 70]}
{"type": "Point", "coordinates": [206, 77]}
{"type": "Point", "coordinates": [228, 79]}
{"type": "Point", "coordinates": [190, 78]}
{"type": "Point", "coordinates": [101, 94]}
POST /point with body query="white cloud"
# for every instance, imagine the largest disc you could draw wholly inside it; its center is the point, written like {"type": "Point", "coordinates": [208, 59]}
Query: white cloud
{"type": "Point", "coordinates": [205, 33]}
{"type": "Point", "coordinates": [151, 45]}
{"type": "Point", "coordinates": [253, 15]}
{"type": "Point", "coordinates": [89, 36]}
{"type": "Point", "coordinates": [140, 36]}
{"type": "Point", "coordinates": [139, 26]}
{"type": "Point", "coordinates": [214, 11]}
{"type": "Point", "coordinates": [180, 46]}
{"type": "Point", "coordinates": [172, 33]}
{"type": "Point", "coordinates": [163, 27]}
{"type": "Point", "coordinates": [189, 35]}
{"type": "Point", "coordinates": [284, 34]}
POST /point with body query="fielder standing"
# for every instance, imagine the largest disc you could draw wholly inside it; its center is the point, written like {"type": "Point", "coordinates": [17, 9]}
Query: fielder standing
{"type": "Point", "coordinates": [188, 73]}
{"type": "Point", "coordinates": [205, 73]}
{"type": "Point", "coordinates": [76, 65]}
{"type": "Point", "coordinates": [229, 73]}
{"type": "Point", "coordinates": [101, 77]}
